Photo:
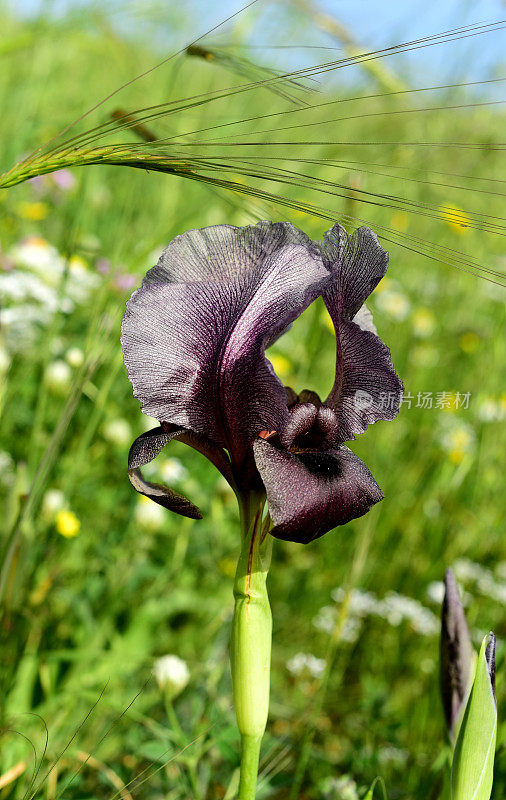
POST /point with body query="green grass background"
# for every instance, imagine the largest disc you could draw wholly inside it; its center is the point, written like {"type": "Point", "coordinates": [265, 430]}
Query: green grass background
{"type": "Point", "coordinates": [88, 616]}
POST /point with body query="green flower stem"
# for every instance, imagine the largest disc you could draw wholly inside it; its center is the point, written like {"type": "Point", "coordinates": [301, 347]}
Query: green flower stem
{"type": "Point", "coordinates": [250, 647]}
{"type": "Point", "coordinates": [249, 766]}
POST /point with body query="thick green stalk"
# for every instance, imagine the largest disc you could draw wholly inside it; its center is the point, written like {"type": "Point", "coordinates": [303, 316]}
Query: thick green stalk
{"type": "Point", "coordinates": [250, 648]}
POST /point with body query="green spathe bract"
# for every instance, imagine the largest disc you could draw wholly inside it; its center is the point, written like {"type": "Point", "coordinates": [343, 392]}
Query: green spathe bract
{"type": "Point", "coordinates": [473, 761]}
{"type": "Point", "coordinates": [250, 649]}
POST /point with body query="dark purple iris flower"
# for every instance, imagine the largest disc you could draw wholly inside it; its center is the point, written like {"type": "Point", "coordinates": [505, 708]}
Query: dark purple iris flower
{"type": "Point", "coordinates": [194, 338]}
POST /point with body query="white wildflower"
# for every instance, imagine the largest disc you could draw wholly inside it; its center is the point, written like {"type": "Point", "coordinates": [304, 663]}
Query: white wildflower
{"type": "Point", "coordinates": [459, 436]}
{"type": "Point", "coordinates": [117, 432]}
{"type": "Point", "coordinates": [18, 287]}
{"type": "Point", "coordinates": [395, 608]}
{"type": "Point", "coordinates": [172, 674]}
{"type": "Point", "coordinates": [6, 461]}
{"type": "Point", "coordinates": [325, 620]}
{"type": "Point", "coordinates": [43, 283]}
{"type": "Point", "coordinates": [466, 570]}
{"type": "Point", "coordinates": [81, 281]}
{"type": "Point", "coordinates": [6, 468]}
{"type": "Point", "coordinates": [306, 662]}
{"type": "Point", "coordinates": [436, 591]}
{"type": "Point", "coordinates": [18, 320]}
{"type": "Point", "coordinates": [58, 376]}
{"type": "Point", "coordinates": [53, 501]}
{"type": "Point", "coordinates": [343, 788]}
{"type": "Point", "coordinates": [490, 410]}
{"type": "Point", "coordinates": [360, 603]}
{"type": "Point", "coordinates": [398, 607]}
{"type": "Point", "coordinates": [149, 515]}
{"type": "Point", "coordinates": [392, 755]}
{"type": "Point", "coordinates": [351, 629]}
{"type": "Point", "coordinates": [395, 304]}
{"type": "Point", "coordinates": [171, 470]}
{"type": "Point", "coordinates": [74, 357]}
{"type": "Point", "coordinates": [5, 361]}
{"type": "Point", "coordinates": [37, 254]}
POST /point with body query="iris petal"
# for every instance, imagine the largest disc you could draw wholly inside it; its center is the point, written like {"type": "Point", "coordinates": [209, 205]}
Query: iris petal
{"type": "Point", "coordinates": [359, 263]}
{"type": "Point", "coordinates": [194, 335]}
{"type": "Point", "coordinates": [310, 493]}
{"type": "Point", "coordinates": [366, 387]}
{"type": "Point", "coordinates": [145, 449]}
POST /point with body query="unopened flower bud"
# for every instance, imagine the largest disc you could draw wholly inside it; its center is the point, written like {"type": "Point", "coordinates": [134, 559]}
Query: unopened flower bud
{"type": "Point", "coordinates": [457, 655]}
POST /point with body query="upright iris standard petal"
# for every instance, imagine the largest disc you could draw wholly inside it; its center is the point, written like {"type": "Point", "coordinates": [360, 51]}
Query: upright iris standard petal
{"type": "Point", "coordinates": [309, 493]}
{"type": "Point", "coordinates": [366, 387]}
{"type": "Point", "coordinates": [358, 262]}
{"type": "Point", "coordinates": [194, 335]}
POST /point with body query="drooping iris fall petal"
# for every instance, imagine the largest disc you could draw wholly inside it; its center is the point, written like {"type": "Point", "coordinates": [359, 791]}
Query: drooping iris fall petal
{"type": "Point", "coordinates": [309, 493]}
{"type": "Point", "coordinates": [145, 448]}
{"type": "Point", "coordinates": [194, 335]}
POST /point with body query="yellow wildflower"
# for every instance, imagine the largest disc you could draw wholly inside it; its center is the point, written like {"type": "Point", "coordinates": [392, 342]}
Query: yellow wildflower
{"type": "Point", "coordinates": [77, 263]}
{"type": "Point", "coordinates": [399, 221]}
{"type": "Point", "coordinates": [469, 342]}
{"type": "Point", "coordinates": [32, 211]}
{"type": "Point", "coordinates": [67, 524]}
{"type": "Point", "coordinates": [458, 441]}
{"type": "Point", "coordinates": [455, 217]}
{"type": "Point", "coordinates": [424, 322]}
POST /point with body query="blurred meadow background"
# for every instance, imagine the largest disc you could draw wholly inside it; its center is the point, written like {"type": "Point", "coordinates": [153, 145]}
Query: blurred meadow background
{"type": "Point", "coordinates": [98, 583]}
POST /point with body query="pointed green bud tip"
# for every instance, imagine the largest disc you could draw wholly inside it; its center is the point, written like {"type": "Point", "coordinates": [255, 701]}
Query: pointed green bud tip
{"type": "Point", "coordinates": [490, 659]}
{"type": "Point", "coordinates": [456, 654]}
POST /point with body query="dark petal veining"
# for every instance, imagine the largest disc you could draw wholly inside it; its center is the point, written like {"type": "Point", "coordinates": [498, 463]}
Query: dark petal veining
{"type": "Point", "coordinates": [358, 262]}
{"type": "Point", "coordinates": [310, 493]}
{"type": "Point", "coordinates": [366, 387]}
{"type": "Point", "coordinates": [194, 335]}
